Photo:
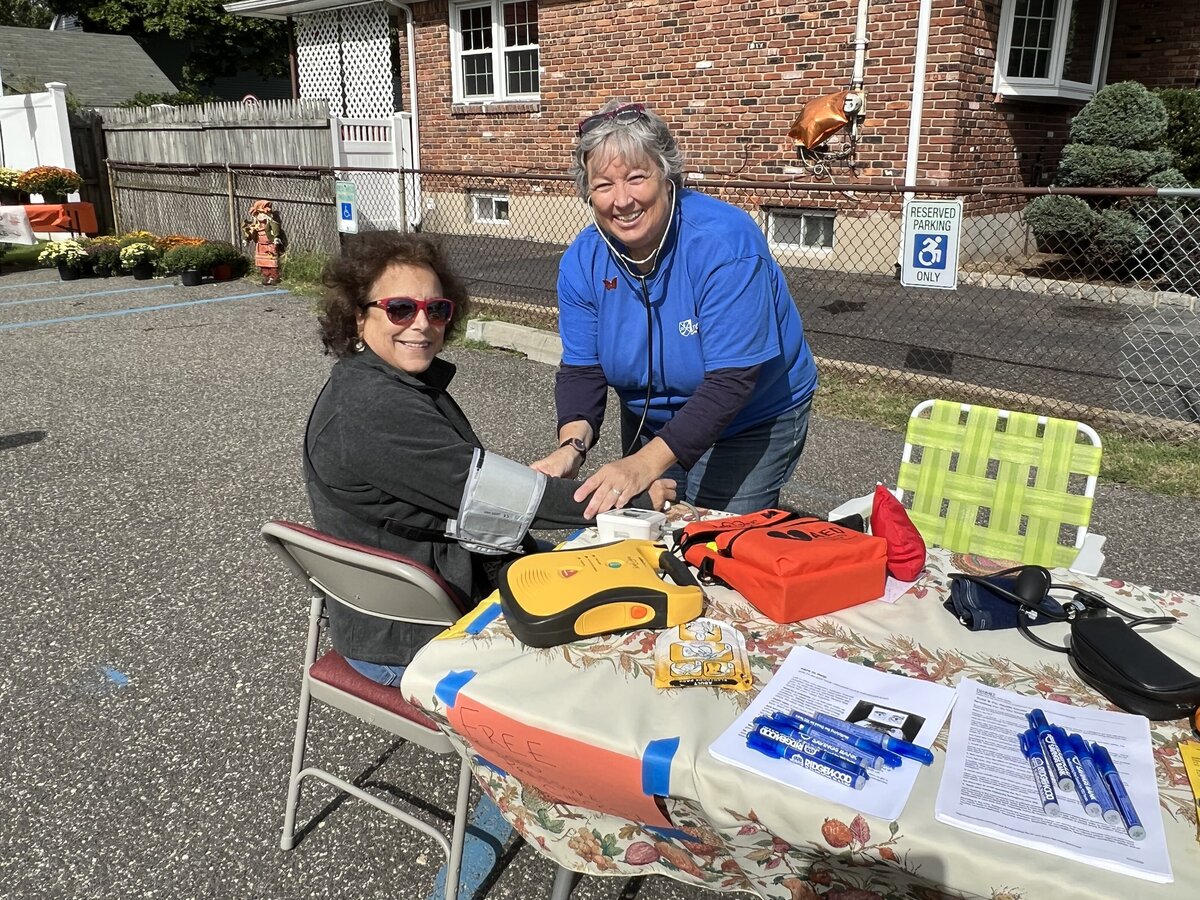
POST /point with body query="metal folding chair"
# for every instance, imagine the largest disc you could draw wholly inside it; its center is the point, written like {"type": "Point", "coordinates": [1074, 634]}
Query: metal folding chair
{"type": "Point", "coordinates": [1007, 485]}
{"type": "Point", "coordinates": [381, 584]}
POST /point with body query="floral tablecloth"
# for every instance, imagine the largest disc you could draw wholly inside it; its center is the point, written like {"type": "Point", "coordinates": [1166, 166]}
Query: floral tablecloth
{"type": "Point", "coordinates": [731, 830]}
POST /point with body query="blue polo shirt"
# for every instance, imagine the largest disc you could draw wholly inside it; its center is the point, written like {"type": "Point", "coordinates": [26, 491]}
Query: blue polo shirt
{"type": "Point", "coordinates": [718, 300]}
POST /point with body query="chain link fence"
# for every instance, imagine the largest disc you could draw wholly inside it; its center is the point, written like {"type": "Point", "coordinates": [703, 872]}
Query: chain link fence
{"type": "Point", "coordinates": [1096, 323]}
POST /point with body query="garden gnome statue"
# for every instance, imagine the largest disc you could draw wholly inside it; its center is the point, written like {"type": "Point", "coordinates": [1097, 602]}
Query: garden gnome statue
{"type": "Point", "coordinates": [262, 228]}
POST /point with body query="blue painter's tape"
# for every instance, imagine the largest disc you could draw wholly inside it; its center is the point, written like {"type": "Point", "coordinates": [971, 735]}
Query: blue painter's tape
{"type": "Point", "coordinates": [114, 676]}
{"type": "Point", "coordinates": [576, 533]}
{"type": "Point", "coordinates": [656, 766]}
{"type": "Point", "coordinates": [479, 760]}
{"type": "Point", "coordinates": [484, 619]}
{"type": "Point", "coordinates": [447, 689]}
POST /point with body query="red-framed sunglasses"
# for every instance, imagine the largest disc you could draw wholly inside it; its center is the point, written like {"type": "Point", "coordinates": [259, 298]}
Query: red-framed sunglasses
{"type": "Point", "coordinates": [622, 115]}
{"type": "Point", "coordinates": [402, 310]}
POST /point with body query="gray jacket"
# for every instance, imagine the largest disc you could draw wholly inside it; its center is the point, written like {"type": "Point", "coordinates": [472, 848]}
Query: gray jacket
{"type": "Point", "coordinates": [395, 449]}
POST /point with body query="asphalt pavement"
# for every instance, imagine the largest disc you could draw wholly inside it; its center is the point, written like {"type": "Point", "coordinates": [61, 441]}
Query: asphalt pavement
{"type": "Point", "coordinates": [148, 689]}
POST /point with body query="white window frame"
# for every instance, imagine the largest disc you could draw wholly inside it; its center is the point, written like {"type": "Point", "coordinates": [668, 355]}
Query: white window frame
{"type": "Point", "coordinates": [493, 196]}
{"type": "Point", "coordinates": [1053, 85]}
{"type": "Point", "coordinates": [800, 215]}
{"type": "Point", "coordinates": [498, 49]}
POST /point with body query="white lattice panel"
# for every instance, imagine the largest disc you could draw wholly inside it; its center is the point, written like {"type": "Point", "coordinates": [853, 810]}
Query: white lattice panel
{"type": "Point", "coordinates": [360, 71]}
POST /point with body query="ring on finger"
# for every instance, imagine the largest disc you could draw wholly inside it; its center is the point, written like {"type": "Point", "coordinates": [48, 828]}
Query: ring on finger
{"type": "Point", "coordinates": [617, 491]}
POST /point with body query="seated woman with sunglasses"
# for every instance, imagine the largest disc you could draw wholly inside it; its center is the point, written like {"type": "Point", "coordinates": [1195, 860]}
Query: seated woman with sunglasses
{"type": "Point", "coordinates": [389, 455]}
{"type": "Point", "coordinates": [672, 299]}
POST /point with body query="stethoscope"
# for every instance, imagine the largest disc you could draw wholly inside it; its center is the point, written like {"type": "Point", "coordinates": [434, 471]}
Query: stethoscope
{"type": "Point", "coordinates": [630, 265]}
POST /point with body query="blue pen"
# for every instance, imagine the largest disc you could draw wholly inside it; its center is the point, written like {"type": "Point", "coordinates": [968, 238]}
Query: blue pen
{"type": "Point", "coordinates": [798, 740]}
{"type": "Point", "coordinates": [1108, 771]}
{"type": "Point", "coordinates": [831, 767]}
{"type": "Point", "coordinates": [874, 756]}
{"type": "Point", "coordinates": [1083, 787]}
{"type": "Point", "coordinates": [1053, 752]}
{"type": "Point", "coordinates": [865, 758]}
{"type": "Point", "coordinates": [1031, 749]}
{"type": "Point", "coordinates": [1108, 809]}
{"type": "Point", "coordinates": [908, 750]}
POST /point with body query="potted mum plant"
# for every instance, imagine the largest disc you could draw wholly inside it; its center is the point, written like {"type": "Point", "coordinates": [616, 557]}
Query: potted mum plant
{"type": "Point", "coordinates": [139, 258]}
{"type": "Point", "coordinates": [105, 254]}
{"type": "Point", "coordinates": [189, 261]}
{"type": "Point", "coordinates": [226, 260]}
{"type": "Point", "coordinates": [69, 256]}
{"type": "Point", "coordinates": [10, 194]}
{"type": "Point", "coordinates": [52, 182]}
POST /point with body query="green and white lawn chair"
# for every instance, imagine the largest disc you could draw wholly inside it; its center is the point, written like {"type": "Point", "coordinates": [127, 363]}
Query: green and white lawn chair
{"type": "Point", "coordinates": [1006, 485]}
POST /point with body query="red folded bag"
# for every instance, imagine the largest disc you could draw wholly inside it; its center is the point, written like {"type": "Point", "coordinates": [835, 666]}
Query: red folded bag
{"type": "Point", "coordinates": [905, 546]}
{"type": "Point", "coordinates": [788, 566]}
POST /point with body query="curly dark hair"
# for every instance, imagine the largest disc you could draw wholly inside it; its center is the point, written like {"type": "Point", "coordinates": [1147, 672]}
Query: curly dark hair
{"type": "Point", "coordinates": [348, 279]}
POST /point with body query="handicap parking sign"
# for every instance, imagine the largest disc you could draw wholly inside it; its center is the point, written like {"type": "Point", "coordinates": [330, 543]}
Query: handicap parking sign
{"type": "Point", "coordinates": [929, 251]}
{"type": "Point", "coordinates": [347, 211]}
{"type": "Point", "coordinates": [346, 198]}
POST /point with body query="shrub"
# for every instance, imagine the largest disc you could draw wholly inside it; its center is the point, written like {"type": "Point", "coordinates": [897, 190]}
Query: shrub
{"type": "Point", "coordinates": [1061, 223]}
{"type": "Point", "coordinates": [51, 180]}
{"type": "Point", "coordinates": [1118, 236]}
{"type": "Point", "coordinates": [1183, 129]}
{"type": "Point", "coordinates": [62, 253]}
{"type": "Point", "coordinates": [183, 257]}
{"type": "Point", "coordinates": [1123, 115]}
{"type": "Point", "coordinates": [224, 253]}
{"type": "Point", "coordinates": [140, 252]}
{"type": "Point", "coordinates": [1083, 165]}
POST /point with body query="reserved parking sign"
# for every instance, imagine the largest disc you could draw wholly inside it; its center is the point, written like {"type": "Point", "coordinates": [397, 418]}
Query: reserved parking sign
{"type": "Point", "coordinates": [930, 254]}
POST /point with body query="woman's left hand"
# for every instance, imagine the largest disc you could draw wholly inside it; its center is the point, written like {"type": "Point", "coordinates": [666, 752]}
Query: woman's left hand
{"type": "Point", "coordinates": [616, 483]}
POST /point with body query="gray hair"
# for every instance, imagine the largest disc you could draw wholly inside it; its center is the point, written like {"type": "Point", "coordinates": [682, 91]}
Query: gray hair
{"type": "Point", "coordinates": [648, 137]}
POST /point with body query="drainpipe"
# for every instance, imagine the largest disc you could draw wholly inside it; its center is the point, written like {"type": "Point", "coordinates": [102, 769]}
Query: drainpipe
{"type": "Point", "coordinates": [918, 97]}
{"type": "Point", "coordinates": [414, 215]}
{"type": "Point", "coordinates": [860, 47]}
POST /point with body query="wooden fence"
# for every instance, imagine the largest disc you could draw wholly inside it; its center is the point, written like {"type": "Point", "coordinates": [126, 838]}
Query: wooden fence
{"type": "Point", "coordinates": [276, 132]}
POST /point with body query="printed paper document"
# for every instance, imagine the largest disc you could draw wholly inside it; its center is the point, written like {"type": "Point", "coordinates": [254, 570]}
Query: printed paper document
{"type": "Point", "coordinates": [987, 786]}
{"type": "Point", "coordinates": [812, 682]}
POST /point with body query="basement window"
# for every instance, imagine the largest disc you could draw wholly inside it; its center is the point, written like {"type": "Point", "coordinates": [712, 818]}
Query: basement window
{"type": "Point", "coordinates": [800, 229]}
{"type": "Point", "coordinates": [489, 209]}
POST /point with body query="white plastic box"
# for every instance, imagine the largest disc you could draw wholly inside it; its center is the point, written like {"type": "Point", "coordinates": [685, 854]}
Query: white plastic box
{"type": "Point", "coordinates": [636, 524]}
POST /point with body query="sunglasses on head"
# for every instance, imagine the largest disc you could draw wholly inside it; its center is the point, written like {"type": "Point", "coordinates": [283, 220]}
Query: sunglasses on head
{"type": "Point", "coordinates": [622, 115]}
{"type": "Point", "coordinates": [403, 310]}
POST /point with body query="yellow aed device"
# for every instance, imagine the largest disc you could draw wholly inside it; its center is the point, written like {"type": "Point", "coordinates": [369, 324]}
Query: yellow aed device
{"type": "Point", "coordinates": [563, 595]}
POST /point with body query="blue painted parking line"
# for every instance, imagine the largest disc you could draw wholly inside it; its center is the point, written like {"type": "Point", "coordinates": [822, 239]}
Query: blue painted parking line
{"type": "Point", "coordinates": [29, 284]}
{"type": "Point", "coordinates": [153, 287]}
{"type": "Point", "coordinates": [487, 835]}
{"type": "Point", "coordinates": [138, 309]}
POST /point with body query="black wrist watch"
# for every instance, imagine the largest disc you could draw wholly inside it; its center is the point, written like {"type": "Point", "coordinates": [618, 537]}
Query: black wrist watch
{"type": "Point", "coordinates": [577, 445]}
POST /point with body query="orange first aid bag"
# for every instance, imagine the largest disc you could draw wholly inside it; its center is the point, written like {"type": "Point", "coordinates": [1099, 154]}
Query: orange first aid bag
{"type": "Point", "coordinates": [789, 566]}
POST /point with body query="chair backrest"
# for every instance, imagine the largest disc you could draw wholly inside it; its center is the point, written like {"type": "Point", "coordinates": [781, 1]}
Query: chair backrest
{"type": "Point", "coordinates": [1008, 485]}
{"type": "Point", "coordinates": [366, 579]}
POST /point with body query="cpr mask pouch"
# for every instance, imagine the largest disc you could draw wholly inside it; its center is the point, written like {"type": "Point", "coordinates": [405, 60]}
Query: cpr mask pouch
{"type": "Point", "coordinates": [498, 504]}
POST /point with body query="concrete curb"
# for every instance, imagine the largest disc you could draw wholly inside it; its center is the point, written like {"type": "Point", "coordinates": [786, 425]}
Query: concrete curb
{"type": "Point", "coordinates": [538, 345]}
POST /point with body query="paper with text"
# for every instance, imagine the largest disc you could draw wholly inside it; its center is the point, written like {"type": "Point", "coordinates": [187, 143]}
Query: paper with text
{"type": "Point", "coordinates": [813, 682]}
{"type": "Point", "coordinates": [987, 786]}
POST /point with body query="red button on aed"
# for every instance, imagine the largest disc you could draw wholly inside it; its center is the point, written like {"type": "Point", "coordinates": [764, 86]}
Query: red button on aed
{"type": "Point", "coordinates": [638, 612]}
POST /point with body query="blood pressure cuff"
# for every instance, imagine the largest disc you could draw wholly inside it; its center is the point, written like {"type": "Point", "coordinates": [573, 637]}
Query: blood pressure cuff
{"type": "Point", "coordinates": [498, 505]}
{"type": "Point", "coordinates": [1130, 671]}
{"type": "Point", "coordinates": [986, 603]}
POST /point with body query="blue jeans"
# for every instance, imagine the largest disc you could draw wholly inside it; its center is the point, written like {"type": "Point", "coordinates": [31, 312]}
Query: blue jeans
{"type": "Point", "coordinates": [388, 676]}
{"type": "Point", "coordinates": [743, 473]}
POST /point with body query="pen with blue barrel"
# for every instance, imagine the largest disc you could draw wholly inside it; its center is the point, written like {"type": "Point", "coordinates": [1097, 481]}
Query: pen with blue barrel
{"type": "Point", "coordinates": [873, 756]}
{"type": "Point", "coordinates": [1112, 780]}
{"type": "Point", "coordinates": [908, 750]}
{"type": "Point", "coordinates": [867, 758]}
{"type": "Point", "coordinates": [1085, 788]}
{"type": "Point", "coordinates": [1053, 752]}
{"type": "Point", "coordinates": [1108, 808]}
{"type": "Point", "coordinates": [814, 760]}
{"type": "Point", "coordinates": [1031, 749]}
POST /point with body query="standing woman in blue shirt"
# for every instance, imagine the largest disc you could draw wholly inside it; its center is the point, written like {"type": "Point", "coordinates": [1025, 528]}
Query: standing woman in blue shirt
{"type": "Point", "coordinates": [673, 299]}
